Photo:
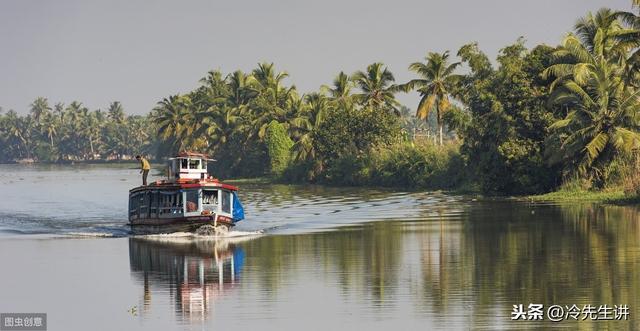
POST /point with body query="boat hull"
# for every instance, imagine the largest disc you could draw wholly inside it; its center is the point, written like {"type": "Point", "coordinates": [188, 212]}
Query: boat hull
{"type": "Point", "coordinates": [178, 224]}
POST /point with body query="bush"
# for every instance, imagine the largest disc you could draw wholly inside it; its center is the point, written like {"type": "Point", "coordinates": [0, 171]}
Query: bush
{"type": "Point", "coordinates": [405, 164]}
{"type": "Point", "coordinates": [279, 148]}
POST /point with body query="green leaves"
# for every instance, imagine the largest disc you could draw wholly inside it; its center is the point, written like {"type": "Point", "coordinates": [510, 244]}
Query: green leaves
{"type": "Point", "coordinates": [602, 122]}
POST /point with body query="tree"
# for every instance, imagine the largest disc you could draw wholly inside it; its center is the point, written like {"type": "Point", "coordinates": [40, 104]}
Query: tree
{"type": "Point", "coordinates": [50, 126]}
{"type": "Point", "coordinates": [435, 85]}
{"type": "Point", "coordinates": [504, 142]}
{"type": "Point", "coordinates": [340, 92]}
{"type": "Point", "coordinates": [312, 115]}
{"type": "Point", "coordinates": [171, 118]}
{"type": "Point", "coordinates": [602, 121]}
{"type": "Point", "coordinates": [377, 88]}
{"type": "Point", "coordinates": [279, 146]}
{"type": "Point", "coordinates": [116, 112]}
{"type": "Point", "coordinates": [39, 107]}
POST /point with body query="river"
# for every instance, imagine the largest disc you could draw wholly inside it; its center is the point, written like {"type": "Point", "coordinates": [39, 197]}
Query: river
{"type": "Point", "coordinates": [311, 257]}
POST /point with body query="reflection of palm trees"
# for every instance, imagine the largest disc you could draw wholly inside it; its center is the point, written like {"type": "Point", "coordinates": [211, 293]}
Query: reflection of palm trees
{"type": "Point", "coordinates": [194, 272]}
{"type": "Point", "coordinates": [502, 254]}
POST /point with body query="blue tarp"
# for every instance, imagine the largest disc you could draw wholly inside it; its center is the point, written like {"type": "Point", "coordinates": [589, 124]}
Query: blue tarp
{"type": "Point", "coordinates": [238, 260]}
{"type": "Point", "coordinates": [238, 211]}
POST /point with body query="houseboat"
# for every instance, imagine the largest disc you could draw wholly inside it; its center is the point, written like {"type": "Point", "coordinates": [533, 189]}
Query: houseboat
{"type": "Point", "coordinates": [188, 200]}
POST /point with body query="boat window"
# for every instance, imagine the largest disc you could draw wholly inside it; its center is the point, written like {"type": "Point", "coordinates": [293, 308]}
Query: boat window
{"type": "Point", "coordinates": [226, 202]}
{"type": "Point", "coordinates": [194, 164]}
{"type": "Point", "coordinates": [133, 205]}
{"type": "Point", "coordinates": [192, 200]}
{"type": "Point", "coordinates": [153, 204]}
{"type": "Point", "coordinates": [170, 203]}
{"type": "Point", "coordinates": [184, 163]}
{"type": "Point", "coordinates": [144, 204]}
{"type": "Point", "coordinates": [210, 200]}
{"type": "Point", "coordinates": [177, 202]}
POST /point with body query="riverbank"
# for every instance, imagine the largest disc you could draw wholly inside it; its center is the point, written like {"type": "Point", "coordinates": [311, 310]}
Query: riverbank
{"type": "Point", "coordinates": [612, 196]}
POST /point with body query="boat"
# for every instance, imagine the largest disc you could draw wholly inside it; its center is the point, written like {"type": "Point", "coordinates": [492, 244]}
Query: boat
{"type": "Point", "coordinates": [189, 200]}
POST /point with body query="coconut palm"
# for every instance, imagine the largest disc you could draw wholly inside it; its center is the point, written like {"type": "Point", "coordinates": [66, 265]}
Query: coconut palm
{"type": "Point", "coordinates": [116, 113]}
{"type": "Point", "coordinates": [221, 125]}
{"type": "Point", "coordinates": [340, 91]}
{"type": "Point", "coordinates": [311, 116]}
{"type": "Point", "coordinates": [377, 88]}
{"type": "Point", "coordinates": [39, 107]}
{"type": "Point", "coordinates": [632, 38]}
{"type": "Point", "coordinates": [49, 126]}
{"type": "Point", "coordinates": [242, 88]}
{"type": "Point", "coordinates": [274, 101]}
{"type": "Point", "coordinates": [171, 117]}
{"type": "Point", "coordinates": [435, 86]}
{"type": "Point", "coordinates": [602, 121]}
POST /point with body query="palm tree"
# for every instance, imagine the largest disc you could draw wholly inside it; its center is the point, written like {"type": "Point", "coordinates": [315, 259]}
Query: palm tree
{"type": "Point", "coordinates": [376, 85]}
{"type": "Point", "coordinates": [116, 113]}
{"type": "Point", "coordinates": [435, 85]}
{"type": "Point", "coordinates": [602, 121]}
{"type": "Point", "coordinates": [221, 125]}
{"type": "Point", "coordinates": [632, 38]}
{"type": "Point", "coordinates": [267, 78]}
{"type": "Point", "coordinates": [170, 116]}
{"type": "Point", "coordinates": [18, 133]}
{"type": "Point", "coordinates": [49, 126]}
{"type": "Point", "coordinates": [91, 130]}
{"type": "Point", "coordinates": [242, 88]}
{"type": "Point", "coordinates": [273, 100]}
{"type": "Point", "coordinates": [39, 107]}
{"type": "Point", "coordinates": [310, 118]}
{"type": "Point", "coordinates": [340, 92]}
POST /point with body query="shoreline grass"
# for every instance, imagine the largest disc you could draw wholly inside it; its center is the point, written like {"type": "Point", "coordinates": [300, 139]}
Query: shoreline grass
{"type": "Point", "coordinates": [613, 196]}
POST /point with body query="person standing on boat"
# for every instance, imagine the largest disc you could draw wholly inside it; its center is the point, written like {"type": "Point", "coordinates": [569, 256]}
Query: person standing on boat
{"type": "Point", "coordinates": [145, 167]}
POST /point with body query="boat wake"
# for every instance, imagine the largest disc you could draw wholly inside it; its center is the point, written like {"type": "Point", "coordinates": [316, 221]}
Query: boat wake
{"type": "Point", "coordinates": [185, 237]}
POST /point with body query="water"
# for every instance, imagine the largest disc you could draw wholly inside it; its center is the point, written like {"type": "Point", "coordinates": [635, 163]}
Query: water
{"type": "Point", "coordinates": [308, 257]}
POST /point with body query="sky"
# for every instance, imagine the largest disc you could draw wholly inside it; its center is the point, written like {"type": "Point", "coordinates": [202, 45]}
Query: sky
{"type": "Point", "coordinates": [138, 52]}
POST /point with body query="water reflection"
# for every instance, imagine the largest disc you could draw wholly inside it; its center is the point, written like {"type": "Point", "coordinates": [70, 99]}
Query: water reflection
{"type": "Point", "coordinates": [195, 272]}
{"type": "Point", "coordinates": [441, 270]}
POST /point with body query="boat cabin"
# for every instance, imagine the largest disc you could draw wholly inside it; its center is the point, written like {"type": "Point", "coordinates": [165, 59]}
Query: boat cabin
{"type": "Point", "coordinates": [188, 166]}
{"type": "Point", "coordinates": [182, 202]}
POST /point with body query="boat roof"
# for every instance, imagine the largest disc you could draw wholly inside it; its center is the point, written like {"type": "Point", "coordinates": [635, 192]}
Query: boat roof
{"type": "Point", "coordinates": [192, 154]}
{"type": "Point", "coordinates": [184, 184]}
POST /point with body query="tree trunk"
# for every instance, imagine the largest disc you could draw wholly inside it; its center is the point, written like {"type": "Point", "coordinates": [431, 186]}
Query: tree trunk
{"type": "Point", "coordinates": [91, 145]}
{"type": "Point", "coordinates": [440, 128]}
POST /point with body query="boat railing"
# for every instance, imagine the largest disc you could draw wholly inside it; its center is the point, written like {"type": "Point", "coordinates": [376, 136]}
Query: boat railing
{"type": "Point", "coordinates": [170, 210]}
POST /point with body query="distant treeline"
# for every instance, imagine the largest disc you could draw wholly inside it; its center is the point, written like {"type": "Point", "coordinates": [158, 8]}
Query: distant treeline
{"type": "Point", "coordinates": [539, 118]}
{"type": "Point", "coordinates": [73, 133]}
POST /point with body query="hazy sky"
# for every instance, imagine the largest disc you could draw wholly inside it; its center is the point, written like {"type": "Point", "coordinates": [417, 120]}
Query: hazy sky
{"type": "Point", "coordinates": [138, 52]}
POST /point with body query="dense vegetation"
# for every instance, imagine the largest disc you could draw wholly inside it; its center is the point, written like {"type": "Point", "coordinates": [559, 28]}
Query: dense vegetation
{"type": "Point", "coordinates": [72, 133]}
{"type": "Point", "coordinates": [530, 122]}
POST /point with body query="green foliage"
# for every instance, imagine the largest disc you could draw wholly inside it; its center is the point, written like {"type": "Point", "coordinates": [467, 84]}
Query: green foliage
{"type": "Point", "coordinates": [436, 83]}
{"type": "Point", "coordinates": [354, 132]}
{"type": "Point", "coordinates": [418, 165]}
{"type": "Point", "coordinates": [73, 133]}
{"type": "Point", "coordinates": [504, 142]}
{"type": "Point", "coordinates": [589, 81]}
{"type": "Point", "coordinates": [402, 164]}
{"type": "Point", "coordinates": [279, 147]}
